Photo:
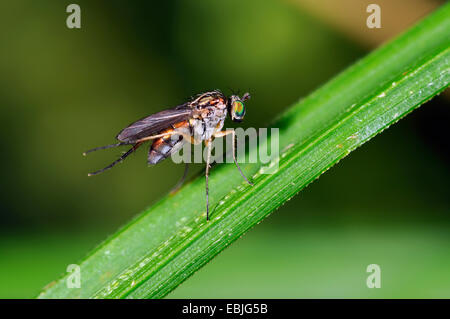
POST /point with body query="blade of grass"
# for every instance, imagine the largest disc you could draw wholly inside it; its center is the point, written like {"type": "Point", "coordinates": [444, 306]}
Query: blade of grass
{"type": "Point", "coordinates": [167, 243]}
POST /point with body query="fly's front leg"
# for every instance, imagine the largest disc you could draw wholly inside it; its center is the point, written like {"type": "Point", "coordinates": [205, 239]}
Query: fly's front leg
{"type": "Point", "coordinates": [233, 145]}
{"type": "Point", "coordinates": [208, 159]}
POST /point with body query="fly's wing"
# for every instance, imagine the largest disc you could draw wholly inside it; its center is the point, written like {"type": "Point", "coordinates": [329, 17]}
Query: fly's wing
{"type": "Point", "coordinates": [154, 123]}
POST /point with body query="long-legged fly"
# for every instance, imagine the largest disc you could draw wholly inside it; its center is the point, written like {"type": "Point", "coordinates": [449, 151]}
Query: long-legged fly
{"type": "Point", "coordinates": [198, 120]}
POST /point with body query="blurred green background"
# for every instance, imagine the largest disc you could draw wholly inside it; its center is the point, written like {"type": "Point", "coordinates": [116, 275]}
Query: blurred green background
{"type": "Point", "coordinates": [63, 91]}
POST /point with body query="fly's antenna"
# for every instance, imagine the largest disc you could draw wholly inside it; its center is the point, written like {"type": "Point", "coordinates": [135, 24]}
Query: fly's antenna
{"type": "Point", "coordinates": [105, 147]}
{"type": "Point", "coordinates": [246, 96]}
{"type": "Point", "coordinates": [120, 159]}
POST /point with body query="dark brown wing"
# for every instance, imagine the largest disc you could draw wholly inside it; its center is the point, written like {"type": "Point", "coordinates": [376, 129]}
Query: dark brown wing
{"type": "Point", "coordinates": [154, 123]}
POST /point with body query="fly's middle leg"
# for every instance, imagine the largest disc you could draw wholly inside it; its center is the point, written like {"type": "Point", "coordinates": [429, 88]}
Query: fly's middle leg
{"type": "Point", "coordinates": [208, 159]}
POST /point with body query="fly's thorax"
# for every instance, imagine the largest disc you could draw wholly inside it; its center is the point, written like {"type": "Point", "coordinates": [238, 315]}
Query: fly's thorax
{"type": "Point", "coordinates": [209, 116]}
{"type": "Point", "coordinates": [209, 121]}
{"type": "Point", "coordinates": [208, 99]}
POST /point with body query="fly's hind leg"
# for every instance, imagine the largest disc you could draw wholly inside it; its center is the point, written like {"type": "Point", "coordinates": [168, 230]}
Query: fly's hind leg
{"type": "Point", "coordinates": [120, 159]}
{"type": "Point", "coordinates": [233, 145]}
{"type": "Point", "coordinates": [177, 187]}
{"type": "Point", "coordinates": [105, 147]}
{"type": "Point", "coordinates": [154, 137]}
{"type": "Point", "coordinates": [189, 138]}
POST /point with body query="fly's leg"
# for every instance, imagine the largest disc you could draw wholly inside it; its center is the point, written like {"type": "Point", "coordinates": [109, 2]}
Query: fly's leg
{"type": "Point", "coordinates": [185, 135]}
{"type": "Point", "coordinates": [120, 159]}
{"type": "Point", "coordinates": [188, 138]}
{"type": "Point", "coordinates": [233, 145]}
{"type": "Point", "coordinates": [208, 159]}
{"type": "Point", "coordinates": [105, 147]}
{"type": "Point", "coordinates": [127, 143]}
{"type": "Point", "coordinates": [153, 137]}
{"type": "Point", "coordinates": [181, 181]}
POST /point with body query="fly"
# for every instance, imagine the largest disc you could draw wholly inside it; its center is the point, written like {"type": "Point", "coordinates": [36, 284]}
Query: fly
{"type": "Point", "coordinates": [199, 120]}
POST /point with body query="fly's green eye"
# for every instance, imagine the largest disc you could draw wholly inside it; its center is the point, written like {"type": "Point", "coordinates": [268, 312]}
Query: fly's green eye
{"type": "Point", "coordinates": [238, 109]}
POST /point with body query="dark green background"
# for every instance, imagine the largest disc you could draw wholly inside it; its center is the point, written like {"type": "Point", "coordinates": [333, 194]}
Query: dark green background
{"type": "Point", "coordinates": [63, 91]}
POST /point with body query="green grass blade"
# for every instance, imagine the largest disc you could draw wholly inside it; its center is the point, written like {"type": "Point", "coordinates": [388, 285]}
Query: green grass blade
{"type": "Point", "coordinates": [167, 243]}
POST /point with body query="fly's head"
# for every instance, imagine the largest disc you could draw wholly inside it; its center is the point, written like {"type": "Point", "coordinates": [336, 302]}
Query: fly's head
{"type": "Point", "coordinates": [236, 107]}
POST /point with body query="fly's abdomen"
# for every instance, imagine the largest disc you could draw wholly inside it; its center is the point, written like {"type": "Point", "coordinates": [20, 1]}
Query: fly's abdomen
{"type": "Point", "coordinates": [164, 146]}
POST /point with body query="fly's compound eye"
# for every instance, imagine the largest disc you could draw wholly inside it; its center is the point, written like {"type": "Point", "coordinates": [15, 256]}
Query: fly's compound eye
{"type": "Point", "coordinates": [238, 111]}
